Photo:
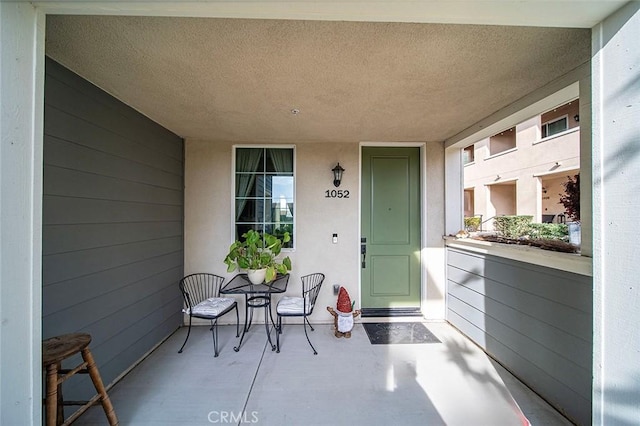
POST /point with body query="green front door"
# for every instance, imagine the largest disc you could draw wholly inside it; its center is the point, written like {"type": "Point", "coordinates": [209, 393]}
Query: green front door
{"type": "Point", "coordinates": [390, 268]}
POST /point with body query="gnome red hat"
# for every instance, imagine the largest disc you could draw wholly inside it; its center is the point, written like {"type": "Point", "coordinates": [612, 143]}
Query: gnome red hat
{"type": "Point", "coordinates": [344, 302]}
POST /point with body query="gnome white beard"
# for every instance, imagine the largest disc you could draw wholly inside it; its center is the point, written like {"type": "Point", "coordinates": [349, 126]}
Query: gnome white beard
{"type": "Point", "coordinates": [345, 322]}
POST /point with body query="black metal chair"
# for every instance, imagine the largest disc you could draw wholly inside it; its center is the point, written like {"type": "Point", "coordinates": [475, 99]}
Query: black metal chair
{"type": "Point", "coordinates": [201, 293]}
{"type": "Point", "coordinates": [290, 306]}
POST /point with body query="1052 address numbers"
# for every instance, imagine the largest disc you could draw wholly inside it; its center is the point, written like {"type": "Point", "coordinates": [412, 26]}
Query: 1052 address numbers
{"type": "Point", "coordinates": [336, 193]}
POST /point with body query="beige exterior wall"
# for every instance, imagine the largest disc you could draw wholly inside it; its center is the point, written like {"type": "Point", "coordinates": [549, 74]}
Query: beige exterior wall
{"type": "Point", "coordinates": [209, 220]}
{"type": "Point", "coordinates": [534, 164]}
{"type": "Point", "coordinates": [502, 199]}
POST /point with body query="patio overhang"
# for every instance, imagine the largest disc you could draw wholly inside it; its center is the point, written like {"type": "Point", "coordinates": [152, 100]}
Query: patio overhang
{"type": "Point", "coordinates": [612, 155]}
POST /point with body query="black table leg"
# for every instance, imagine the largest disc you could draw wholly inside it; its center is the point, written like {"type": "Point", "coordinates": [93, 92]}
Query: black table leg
{"type": "Point", "coordinates": [262, 301]}
{"type": "Point", "coordinates": [267, 325]}
{"type": "Point", "coordinates": [245, 328]}
{"type": "Point", "coordinates": [249, 314]}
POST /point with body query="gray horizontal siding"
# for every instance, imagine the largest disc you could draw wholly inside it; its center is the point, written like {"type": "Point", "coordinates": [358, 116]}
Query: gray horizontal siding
{"type": "Point", "coordinates": [86, 153]}
{"type": "Point", "coordinates": [535, 321]}
{"type": "Point", "coordinates": [70, 265]}
{"type": "Point", "coordinates": [85, 210]}
{"type": "Point", "coordinates": [71, 93]}
{"type": "Point", "coordinates": [73, 237]}
{"type": "Point", "coordinates": [112, 224]}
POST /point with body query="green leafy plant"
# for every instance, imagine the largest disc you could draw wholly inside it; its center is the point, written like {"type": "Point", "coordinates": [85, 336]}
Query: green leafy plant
{"type": "Point", "coordinates": [548, 231]}
{"type": "Point", "coordinates": [571, 197]}
{"type": "Point", "coordinates": [512, 226]}
{"type": "Point", "coordinates": [281, 230]}
{"type": "Point", "coordinates": [258, 251]}
{"type": "Point", "coordinates": [472, 223]}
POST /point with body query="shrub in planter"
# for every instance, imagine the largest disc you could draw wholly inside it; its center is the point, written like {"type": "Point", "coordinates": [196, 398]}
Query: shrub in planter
{"type": "Point", "coordinates": [548, 231]}
{"type": "Point", "coordinates": [512, 226]}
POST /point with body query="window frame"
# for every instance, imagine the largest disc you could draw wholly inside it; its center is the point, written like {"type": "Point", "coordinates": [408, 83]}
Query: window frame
{"type": "Point", "coordinates": [547, 123]}
{"type": "Point", "coordinates": [472, 150]}
{"type": "Point", "coordinates": [534, 104]}
{"type": "Point", "coordinates": [233, 200]}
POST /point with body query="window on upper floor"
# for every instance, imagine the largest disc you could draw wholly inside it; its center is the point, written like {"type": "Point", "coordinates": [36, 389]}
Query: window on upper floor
{"type": "Point", "coordinates": [468, 155]}
{"type": "Point", "coordinates": [560, 119]}
{"type": "Point", "coordinates": [264, 191]}
{"type": "Point", "coordinates": [554, 127]}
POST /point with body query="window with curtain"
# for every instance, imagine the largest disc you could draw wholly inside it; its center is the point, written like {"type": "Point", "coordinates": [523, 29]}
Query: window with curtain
{"type": "Point", "coordinates": [264, 191]}
{"type": "Point", "coordinates": [556, 126]}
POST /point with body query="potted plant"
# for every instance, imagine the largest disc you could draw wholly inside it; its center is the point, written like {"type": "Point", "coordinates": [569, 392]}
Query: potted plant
{"type": "Point", "coordinates": [571, 202]}
{"type": "Point", "coordinates": [257, 254]}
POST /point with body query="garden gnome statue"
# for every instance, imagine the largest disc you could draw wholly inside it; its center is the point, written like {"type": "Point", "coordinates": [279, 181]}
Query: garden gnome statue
{"type": "Point", "coordinates": [343, 315]}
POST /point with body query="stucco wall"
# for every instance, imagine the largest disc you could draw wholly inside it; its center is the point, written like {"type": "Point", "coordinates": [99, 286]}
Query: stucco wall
{"type": "Point", "coordinates": [433, 305]}
{"type": "Point", "coordinates": [208, 218]}
{"type": "Point", "coordinates": [551, 199]}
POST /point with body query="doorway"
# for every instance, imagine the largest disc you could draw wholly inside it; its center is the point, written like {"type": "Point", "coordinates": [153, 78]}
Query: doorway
{"type": "Point", "coordinates": [390, 231]}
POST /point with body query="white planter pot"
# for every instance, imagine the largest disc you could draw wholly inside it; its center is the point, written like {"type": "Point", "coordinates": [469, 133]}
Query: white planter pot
{"type": "Point", "coordinates": [256, 276]}
{"type": "Point", "coordinates": [574, 233]}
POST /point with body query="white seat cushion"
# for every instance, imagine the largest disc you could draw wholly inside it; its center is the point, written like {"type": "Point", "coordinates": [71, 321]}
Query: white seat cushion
{"type": "Point", "coordinates": [212, 307]}
{"type": "Point", "coordinates": [292, 306]}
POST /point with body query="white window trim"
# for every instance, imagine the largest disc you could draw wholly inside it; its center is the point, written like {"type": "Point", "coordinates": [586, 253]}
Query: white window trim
{"type": "Point", "coordinates": [558, 135]}
{"type": "Point", "coordinates": [232, 212]}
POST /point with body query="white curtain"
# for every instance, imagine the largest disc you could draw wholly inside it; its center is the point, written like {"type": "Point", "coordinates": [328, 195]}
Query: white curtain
{"type": "Point", "coordinates": [282, 160]}
{"type": "Point", "coordinates": [247, 161]}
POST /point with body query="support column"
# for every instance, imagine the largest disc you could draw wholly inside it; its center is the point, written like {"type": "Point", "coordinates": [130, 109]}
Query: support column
{"type": "Point", "coordinates": [616, 184]}
{"type": "Point", "coordinates": [21, 121]}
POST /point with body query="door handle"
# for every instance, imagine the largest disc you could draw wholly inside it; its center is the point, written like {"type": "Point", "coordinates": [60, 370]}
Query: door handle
{"type": "Point", "coordinates": [363, 252]}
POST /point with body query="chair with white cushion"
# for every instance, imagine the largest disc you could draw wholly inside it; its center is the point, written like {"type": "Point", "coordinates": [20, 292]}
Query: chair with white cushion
{"type": "Point", "coordinates": [201, 293]}
{"type": "Point", "coordinates": [290, 306]}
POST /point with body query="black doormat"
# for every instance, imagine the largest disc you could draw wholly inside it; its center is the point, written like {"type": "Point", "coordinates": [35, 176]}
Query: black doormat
{"type": "Point", "coordinates": [386, 333]}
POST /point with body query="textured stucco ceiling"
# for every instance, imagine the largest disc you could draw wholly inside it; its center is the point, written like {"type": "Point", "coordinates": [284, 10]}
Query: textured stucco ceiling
{"type": "Point", "coordinates": [239, 79]}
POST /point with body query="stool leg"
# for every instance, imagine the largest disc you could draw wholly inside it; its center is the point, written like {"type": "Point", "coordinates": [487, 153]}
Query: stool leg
{"type": "Point", "coordinates": [51, 400]}
{"type": "Point", "coordinates": [60, 416]}
{"type": "Point", "coordinates": [97, 382]}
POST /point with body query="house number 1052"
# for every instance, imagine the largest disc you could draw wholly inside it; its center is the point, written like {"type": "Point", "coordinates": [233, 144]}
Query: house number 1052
{"type": "Point", "coordinates": [336, 193]}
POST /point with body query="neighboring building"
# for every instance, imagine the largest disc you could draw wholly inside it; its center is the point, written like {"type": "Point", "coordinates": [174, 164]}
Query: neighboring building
{"type": "Point", "coordinates": [521, 170]}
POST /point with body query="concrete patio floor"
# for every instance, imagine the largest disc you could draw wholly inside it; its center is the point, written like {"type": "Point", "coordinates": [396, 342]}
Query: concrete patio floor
{"type": "Point", "coordinates": [349, 382]}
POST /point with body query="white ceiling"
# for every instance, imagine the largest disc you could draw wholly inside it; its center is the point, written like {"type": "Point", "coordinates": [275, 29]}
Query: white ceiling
{"type": "Point", "coordinates": [238, 79]}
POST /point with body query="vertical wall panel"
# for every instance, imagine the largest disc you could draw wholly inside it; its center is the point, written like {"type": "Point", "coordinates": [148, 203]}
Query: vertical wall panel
{"type": "Point", "coordinates": [112, 224]}
{"type": "Point", "coordinates": [616, 183]}
{"type": "Point", "coordinates": [535, 321]}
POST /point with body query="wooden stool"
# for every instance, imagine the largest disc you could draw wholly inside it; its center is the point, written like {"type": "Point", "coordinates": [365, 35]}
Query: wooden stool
{"type": "Point", "coordinates": [54, 351]}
